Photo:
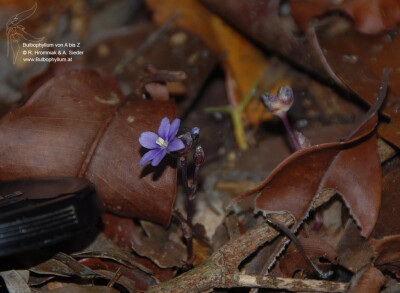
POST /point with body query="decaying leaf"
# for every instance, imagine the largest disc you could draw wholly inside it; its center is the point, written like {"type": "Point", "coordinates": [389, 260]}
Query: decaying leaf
{"type": "Point", "coordinates": [370, 16]}
{"type": "Point", "coordinates": [315, 248]}
{"type": "Point", "coordinates": [367, 280]}
{"type": "Point", "coordinates": [163, 247]}
{"type": "Point", "coordinates": [389, 213]}
{"type": "Point", "coordinates": [80, 124]}
{"type": "Point", "coordinates": [358, 60]}
{"type": "Point", "coordinates": [388, 253]}
{"type": "Point", "coordinates": [122, 231]}
{"type": "Point", "coordinates": [16, 281]}
{"type": "Point", "coordinates": [175, 49]}
{"type": "Point", "coordinates": [84, 289]}
{"type": "Point", "coordinates": [354, 251]}
{"type": "Point", "coordinates": [294, 184]}
{"type": "Point", "coordinates": [126, 232]}
{"type": "Point", "coordinates": [104, 248]}
{"type": "Point", "coordinates": [64, 265]}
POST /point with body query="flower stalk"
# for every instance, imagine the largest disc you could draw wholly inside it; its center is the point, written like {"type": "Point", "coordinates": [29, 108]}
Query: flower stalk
{"type": "Point", "coordinates": [190, 191]}
{"type": "Point", "coordinates": [166, 142]}
{"type": "Point", "coordinates": [279, 105]}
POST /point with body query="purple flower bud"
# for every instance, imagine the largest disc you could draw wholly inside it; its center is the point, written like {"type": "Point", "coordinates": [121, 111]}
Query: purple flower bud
{"type": "Point", "coordinates": [187, 140]}
{"type": "Point", "coordinates": [195, 133]}
{"type": "Point", "coordinates": [302, 139]}
{"type": "Point", "coordinates": [198, 156]}
{"type": "Point", "coordinates": [280, 104]}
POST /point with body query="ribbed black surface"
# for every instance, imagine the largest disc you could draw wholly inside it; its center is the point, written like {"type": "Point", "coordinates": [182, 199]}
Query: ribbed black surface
{"type": "Point", "coordinates": [34, 226]}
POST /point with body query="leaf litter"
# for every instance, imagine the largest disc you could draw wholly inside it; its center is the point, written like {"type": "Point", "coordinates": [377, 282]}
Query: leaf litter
{"type": "Point", "coordinates": [348, 229]}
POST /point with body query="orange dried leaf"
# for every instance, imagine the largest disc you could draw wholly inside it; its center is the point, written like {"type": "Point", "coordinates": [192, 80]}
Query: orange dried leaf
{"type": "Point", "coordinates": [242, 62]}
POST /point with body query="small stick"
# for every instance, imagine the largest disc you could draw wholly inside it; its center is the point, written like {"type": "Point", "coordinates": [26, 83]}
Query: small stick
{"type": "Point", "coordinates": [117, 275]}
{"type": "Point", "coordinates": [294, 285]}
{"type": "Point", "coordinates": [221, 269]}
{"type": "Point", "coordinates": [295, 240]}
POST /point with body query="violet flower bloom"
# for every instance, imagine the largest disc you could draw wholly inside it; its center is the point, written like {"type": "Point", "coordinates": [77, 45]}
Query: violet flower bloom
{"type": "Point", "coordinates": [159, 145]}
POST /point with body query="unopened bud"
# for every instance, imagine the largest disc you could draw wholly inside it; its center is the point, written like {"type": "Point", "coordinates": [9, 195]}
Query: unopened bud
{"type": "Point", "coordinates": [302, 140]}
{"type": "Point", "coordinates": [195, 133]}
{"type": "Point", "coordinates": [198, 156]}
{"type": "Point", "coordinates": [279, 104]}
{"type": "Point", "coordinates": [188, 142]}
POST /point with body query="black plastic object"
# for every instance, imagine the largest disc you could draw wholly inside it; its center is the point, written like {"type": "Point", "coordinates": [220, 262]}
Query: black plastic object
{"type": "Point", "coordinates": [39, 212]}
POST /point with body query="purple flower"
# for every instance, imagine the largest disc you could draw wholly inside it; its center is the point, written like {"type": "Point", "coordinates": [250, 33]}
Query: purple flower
{"type": "Point", "coordinates": [159, 145]}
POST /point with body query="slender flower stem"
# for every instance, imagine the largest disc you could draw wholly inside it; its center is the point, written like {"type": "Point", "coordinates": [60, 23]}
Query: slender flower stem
{"type": "Point", "coordinates": [189, 237]}
{"type": "Point", "coordinates": [189, 208]}
{"type": "Point", "coordinates": [289, 130]}
{"type": "Point", "coordinates": [183, 161]}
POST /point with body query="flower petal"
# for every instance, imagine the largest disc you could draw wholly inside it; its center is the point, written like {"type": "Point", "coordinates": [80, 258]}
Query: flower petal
{"type": "Point", "coordinates": [175, 145]}
{"type": "Point", "coordinates": [149, 156]}
{"type": "Point", "coordinates": [157, 159]}
{"type": "Point", "coordinates": [173, 130]}
{"type": "Point", "coordinates": [148, 140]}
{"type": "Point", "coordinates": [163, 130]}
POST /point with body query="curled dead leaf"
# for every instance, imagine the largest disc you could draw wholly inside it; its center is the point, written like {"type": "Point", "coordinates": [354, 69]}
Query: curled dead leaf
{"type": "Point", "coordinates": [298, 180]}
{"type": "Point", "coordinates": [79, 123]}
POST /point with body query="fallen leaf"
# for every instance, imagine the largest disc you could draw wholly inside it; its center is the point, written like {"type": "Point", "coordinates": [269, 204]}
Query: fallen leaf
{"type": "Point", "coordinates": [352, 52]}
{"type": "Point", "coordinates": [16, 281]}
{"type": "Point", "coordinates": [387, 223]}
{"type": "Point", "coordinates": [70, 127]}
{"type": "Point", "coordinates": [84, 289]}
{"type": "Point", "coordinates": [370, 16]}
{"type": "Point", "coordinates": [354, 251]}
{"type": "Point", "coordinates": [104, 248]}
{"type": "Point", "coordinates": [163, 247]}
{"type": "Point", "coordinates": [175, 49]}
{"type": "Point", "coordinates": [121, 230]}
{"type": "Point", "coordinates": [315, 248]}
{"type": "Point", "coordinates": [300, 178]}
{"type": "Point", "coordinates": [367, 280]}
{"type": "Point", "coordinates": [125, 232]}
{"type": "Point", "coordinates": [388, 253]}
{"type": "Point", "coordinates": [64, 265]}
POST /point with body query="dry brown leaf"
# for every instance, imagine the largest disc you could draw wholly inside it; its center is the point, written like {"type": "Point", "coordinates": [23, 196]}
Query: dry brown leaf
{"type": "Point", "coordinates": [370, 16]}
{"type": "Point", "coordinates": [367, 280]}
{"type": "Point", "coordinates": [339, 166]}
{"type": "Point", "coordinates": [70, 126]}
{"type": "Point", "coordinates": [388, 253]}
{"type": "Point", "coordinates": [164, 247]}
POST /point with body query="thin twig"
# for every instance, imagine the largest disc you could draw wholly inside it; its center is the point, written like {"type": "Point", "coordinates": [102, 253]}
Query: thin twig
{"type": "Point", "coordinates": [296, 242]}
{"type": "Point", "coordinates": [221, 269]}
{"type": "Point", "coordinates": [290, 284]}
{"type": "Point", "coordinates": [117, 275]}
